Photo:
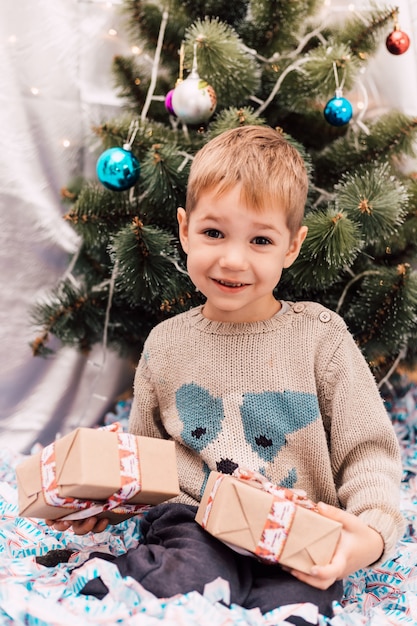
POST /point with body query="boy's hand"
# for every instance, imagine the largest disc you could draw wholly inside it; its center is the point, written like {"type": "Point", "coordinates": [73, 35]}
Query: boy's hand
{"type": "Point", "coordinates": [358, 547]}
{"type": "Point", "coordinates": [80, 527]}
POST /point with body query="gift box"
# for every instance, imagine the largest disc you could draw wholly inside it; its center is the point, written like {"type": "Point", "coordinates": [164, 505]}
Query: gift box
{"type": "Point", "coordinates": [274, 524]}
{"type": "Point", "coordinates": [97, 471]}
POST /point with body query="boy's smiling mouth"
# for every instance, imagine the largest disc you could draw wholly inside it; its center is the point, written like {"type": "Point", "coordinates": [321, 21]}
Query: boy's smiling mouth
{"type": "Point", "coordinates": [228, 283]}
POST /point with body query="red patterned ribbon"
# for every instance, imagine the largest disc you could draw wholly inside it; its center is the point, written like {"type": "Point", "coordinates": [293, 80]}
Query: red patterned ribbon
{"type": "Point", "coordinates": [256, 479]}
{"type": "Point", "coordinates": [280, 517]}
{"type": "Point", "coordinates": [129, 475]}
{"type": "Point", "coordinates": [210, 500]}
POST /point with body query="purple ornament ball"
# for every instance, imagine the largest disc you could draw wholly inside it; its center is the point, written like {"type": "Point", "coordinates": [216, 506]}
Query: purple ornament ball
{"type": "Point", "coordinates": [168, 102]}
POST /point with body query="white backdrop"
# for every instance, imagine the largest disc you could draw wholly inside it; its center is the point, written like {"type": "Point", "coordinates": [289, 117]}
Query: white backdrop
{"type": "Point", "coordinates": [55, 82]}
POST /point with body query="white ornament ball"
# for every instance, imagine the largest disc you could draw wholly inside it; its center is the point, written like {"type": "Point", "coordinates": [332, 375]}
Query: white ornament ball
{"type": "Point", "coordinates": [194, 100]}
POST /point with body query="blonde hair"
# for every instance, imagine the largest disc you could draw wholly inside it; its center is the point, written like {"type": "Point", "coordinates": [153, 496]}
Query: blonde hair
{"type": "Point", "coordinates": [270, 170]}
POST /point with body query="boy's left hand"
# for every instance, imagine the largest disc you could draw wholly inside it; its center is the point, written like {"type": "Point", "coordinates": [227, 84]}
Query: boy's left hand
{"type": "Point", "coordinates": [359, 546]}
{"type": "Point", "coordinates": [80, 527]}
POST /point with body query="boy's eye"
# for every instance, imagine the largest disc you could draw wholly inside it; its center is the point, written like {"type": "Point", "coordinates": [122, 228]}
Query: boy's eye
{"type": "Point", "coordinates": [214, 233]}
{"type": "Point", "coordinates": [261, 241]}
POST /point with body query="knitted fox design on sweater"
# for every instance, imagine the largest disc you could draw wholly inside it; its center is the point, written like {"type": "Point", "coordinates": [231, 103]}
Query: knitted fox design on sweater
{"type": "Point", "coordinates": [289, 410]}
{"type": "Point", "coordinates": [291, 397]}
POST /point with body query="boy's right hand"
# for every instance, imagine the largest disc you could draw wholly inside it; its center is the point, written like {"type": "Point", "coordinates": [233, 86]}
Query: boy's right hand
{"type": "Point", "coordinates": [359, 547]}
{"type": "Point", "coordinates": [80, 527]}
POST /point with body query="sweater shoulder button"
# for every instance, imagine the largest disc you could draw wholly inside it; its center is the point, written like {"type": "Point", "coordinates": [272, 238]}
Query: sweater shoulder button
{"type": "Point", "coordinates": [298, 307]}
{"type": "Point", "coordinates": [325, 316]}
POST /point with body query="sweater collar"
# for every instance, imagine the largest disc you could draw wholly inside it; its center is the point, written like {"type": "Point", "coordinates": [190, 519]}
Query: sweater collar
{"type": "Point", "coordinates": [197, 319]}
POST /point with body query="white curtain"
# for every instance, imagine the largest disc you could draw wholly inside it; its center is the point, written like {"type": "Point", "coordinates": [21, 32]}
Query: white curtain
{"type": "Point", "coordinates": [55, 82]}
{"type": "Point", "coordinates": [392, 80]}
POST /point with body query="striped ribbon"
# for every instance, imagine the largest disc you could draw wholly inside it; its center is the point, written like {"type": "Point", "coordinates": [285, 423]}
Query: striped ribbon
{"type": "Point", "coordinates": [129, 478]}
{"type": "Point", "coordinates": [280, 516]}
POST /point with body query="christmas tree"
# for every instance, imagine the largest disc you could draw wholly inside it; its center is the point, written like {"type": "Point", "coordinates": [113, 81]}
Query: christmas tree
{"type": "Point", "coordinates": [202, 67]}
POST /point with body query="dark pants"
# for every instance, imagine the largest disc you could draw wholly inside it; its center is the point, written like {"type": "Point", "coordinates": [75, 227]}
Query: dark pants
{"type": "Point", "coordinates": [176, 556]}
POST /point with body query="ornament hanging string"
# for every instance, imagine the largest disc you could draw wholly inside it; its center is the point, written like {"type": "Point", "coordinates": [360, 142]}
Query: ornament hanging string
{"type": "Point", "coordinates": [339, 86]}
{"type": "Point", "coordinates": [194, 68]}
{"type": "Point", "coordinates": [181, 66]}
{"type": "Point", "coordinates": [398, 41]}
{"type": "Point", "coordinates": [131, 134]}
{"type": "Point", "coordinates": [194, 72]}
{"type": "Point", "coordinates": [338, 110]}
{"type": "Point", "coordinates": [193, 99]}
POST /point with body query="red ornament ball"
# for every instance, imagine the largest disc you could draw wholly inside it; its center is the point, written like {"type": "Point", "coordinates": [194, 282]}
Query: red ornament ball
{"type": "Point", "coordinates": [397, 42]}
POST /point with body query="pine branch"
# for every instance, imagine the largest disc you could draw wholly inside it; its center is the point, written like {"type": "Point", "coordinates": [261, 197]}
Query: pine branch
{"type": "Point", "coordinates": [364, 35]}
{"type": "Point", "coordinates": [274, 25]}
{"type": "Point", "coordinates": [129, 79]}
{"type": "Point", "coordinates": [375, 200]}
{"type": "Point", "coordinates": [222, 61]}
{"type": "Point", "coordinates": [295, 66]}
{"type": "Point", "coordinates": [390, 136]}
{"type": "Point", "coordinates": [164, 176]}
{"type": "Point", "coordinates": [233, 118]}
{"type": "Point", "coordinates": [232, 13]}
{"type": "Point", "coordinates": [333, 241]}
{"type": "Point", "coordinates": [390, 301]}
{"type": "Point", "coordinates": [146, 256]}
{"type": "Point", "coordinates": [98, 212]}
{"type": "Point", "coordinates": [71, 315]}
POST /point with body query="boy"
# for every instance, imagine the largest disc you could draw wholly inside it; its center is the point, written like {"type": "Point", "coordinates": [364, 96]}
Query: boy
{"type": "Point", "coordinates": [248, 380]}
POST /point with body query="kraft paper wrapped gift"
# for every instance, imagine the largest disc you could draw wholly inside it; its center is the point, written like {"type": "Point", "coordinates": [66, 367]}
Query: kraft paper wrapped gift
{"type": "Point", "coordinates": [274, 524]}
{"type": "Point", "coordinates": [97, 471]}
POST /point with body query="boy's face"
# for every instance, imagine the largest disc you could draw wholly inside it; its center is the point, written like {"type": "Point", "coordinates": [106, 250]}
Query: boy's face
{"type": "Point", "coordinates": [236, 255]}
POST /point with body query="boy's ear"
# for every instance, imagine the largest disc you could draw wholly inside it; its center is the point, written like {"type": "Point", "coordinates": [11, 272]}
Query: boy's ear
{"type": "Point", "coordinates": [295, 246]}
{"type": "Point", "coordinates": [183, 228]}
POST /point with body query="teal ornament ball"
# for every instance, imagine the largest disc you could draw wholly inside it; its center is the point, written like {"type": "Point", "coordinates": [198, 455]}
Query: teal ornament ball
{"type": "Point", "coordinates": [117, 168]}
{"type": "Point", "coordinates": [338, 111]}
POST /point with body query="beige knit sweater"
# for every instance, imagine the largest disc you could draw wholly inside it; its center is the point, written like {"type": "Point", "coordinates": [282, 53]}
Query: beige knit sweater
{"type": "Point", "coordinates": [291, 397]}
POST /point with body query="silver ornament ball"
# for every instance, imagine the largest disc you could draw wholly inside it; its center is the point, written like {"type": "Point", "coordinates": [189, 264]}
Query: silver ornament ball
{"type": "Point", "coordinates": [194, 100]}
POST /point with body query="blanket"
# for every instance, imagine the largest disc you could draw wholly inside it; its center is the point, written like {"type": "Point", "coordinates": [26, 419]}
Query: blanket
{"type": "Point", "coordinates": [33, 594]}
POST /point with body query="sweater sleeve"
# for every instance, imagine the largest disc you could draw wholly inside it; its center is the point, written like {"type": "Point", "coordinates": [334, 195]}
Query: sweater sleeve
{"type": "Point", "coordinates": [144, 416]}
{"type": "Point", "coordinates": [364, 449]}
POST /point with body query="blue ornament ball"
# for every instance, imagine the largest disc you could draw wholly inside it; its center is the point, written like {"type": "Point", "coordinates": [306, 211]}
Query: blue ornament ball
{"type": "Point", "coordinates": [118, 169]}
{"type": "Point", "coordinates": [338, 111]}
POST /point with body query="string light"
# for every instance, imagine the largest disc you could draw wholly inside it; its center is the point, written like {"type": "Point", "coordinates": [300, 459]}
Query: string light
{"type": "Point", "coordinates": [112, 32]}
{"type": "Point", "coordinates": [66, 143]}
{"type": "Point", "coordinates": [34, 91]}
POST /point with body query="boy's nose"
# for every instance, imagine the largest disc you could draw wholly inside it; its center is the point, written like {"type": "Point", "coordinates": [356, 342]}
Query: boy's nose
{"type": "Point", "coordinates": [234, 257]}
